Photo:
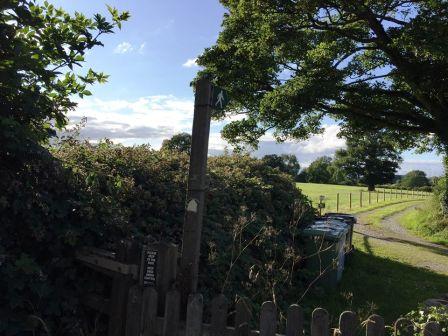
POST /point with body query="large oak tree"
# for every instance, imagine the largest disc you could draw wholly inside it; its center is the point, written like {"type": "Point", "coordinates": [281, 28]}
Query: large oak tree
{"type": "Point", "coordinates": [372, 63]}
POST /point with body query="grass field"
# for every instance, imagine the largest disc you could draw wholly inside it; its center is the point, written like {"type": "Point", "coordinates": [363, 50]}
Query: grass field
{"type": "Point", "coordinates": [369, 201]}
{"type": "Point", "coordinates": [382, 276]}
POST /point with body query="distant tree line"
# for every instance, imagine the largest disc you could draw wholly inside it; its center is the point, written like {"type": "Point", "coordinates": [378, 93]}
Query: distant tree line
{"type": "Point", "coordinates": [368, 159]}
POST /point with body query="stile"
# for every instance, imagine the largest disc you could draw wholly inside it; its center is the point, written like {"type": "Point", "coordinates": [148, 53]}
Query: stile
{"type": "Point", "coordinates": [219, 316]}
{"type": "Point", "coordinates": [432, 328]}
{"type": "Point", "coordinates": [268, 319]}
{"type": "Point", "coordinates": [294, 321]}
{"type": "Point", "coordinates": [149, 312]}
{"type": "Point", "coordinates": [134, 311]}
{"type": "Point", "coordinates": [320, 322]}
{"type": "Point", "coordinates": [171, 320]}
{"type": "Point", "coordinates": [375, 326]}
{"type": "Point", "coordinates": [193, 326]}
{"type": "Point", "coordinates": [403, 327]}
{"type": "Point", "coordinates": [348, 323]}
{"type": "Point", "coordinates": [242, 314]}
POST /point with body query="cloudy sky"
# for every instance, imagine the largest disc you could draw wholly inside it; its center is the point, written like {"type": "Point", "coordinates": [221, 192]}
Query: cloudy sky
{"type": "Point", "coordinates": [151, 63]}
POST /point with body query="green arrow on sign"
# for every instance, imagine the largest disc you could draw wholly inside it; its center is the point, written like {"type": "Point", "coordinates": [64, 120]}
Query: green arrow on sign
{"type": "Point", "coordinates": [220, 98]}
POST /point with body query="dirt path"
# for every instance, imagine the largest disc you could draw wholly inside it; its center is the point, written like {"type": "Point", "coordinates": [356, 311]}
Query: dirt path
{"type": "Point", "coordinates": [400, 243]}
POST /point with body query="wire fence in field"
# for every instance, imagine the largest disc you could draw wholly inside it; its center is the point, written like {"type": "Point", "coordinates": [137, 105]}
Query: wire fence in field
{"type": "Point", "coordinates": [362, 199]}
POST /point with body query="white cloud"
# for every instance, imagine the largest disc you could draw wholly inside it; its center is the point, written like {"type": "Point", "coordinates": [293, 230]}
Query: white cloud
{"type": "Point", "coordinates": [144, 120]}
{"type": "Point", "coordinates": [190, 63]}
{"type": "Point", "coordinates": [123, 48]}
{"type": "Point", "coordinates": [154, 118]}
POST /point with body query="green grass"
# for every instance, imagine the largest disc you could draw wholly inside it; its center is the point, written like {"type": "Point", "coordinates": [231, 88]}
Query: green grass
{"type": "Point", "coordinates": [377, 216]}
{"type": "Point", "coordinates": [382, 277]}
{"type": "Point", "coordinates": [330, 191]}
{"type": "Point", "coordinates": [424, 224]}
{"type": "Point", "coordinates": [375, 283]}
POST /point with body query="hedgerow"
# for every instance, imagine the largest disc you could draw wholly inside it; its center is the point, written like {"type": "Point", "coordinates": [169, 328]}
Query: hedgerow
{"type": "Point", "coordinates": [80, 194]}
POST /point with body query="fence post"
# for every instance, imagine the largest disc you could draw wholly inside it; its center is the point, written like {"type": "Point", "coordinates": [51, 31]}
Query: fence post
{"type": "Point", "coordinates": [166, 268]}
{"type": "Point", "coordinates": [375, 326]}
{"type": "Point", "coordinates": [384, 195]}
{"type": "Point", "coordinates": [242, 316]}
{"type": "Point", "coordinates": [377, 196]}
{"type": "Point", "coordinates": [337, 202]}
{"type": "Point", "coordinates": [320, 322]}
{"type": "Point", "coordinates": [403, 327]}
{"type": "Point", "coordinates": [350, 199]}
{"type": "Point", "coordinates": [268, 319]}
{"type": "Point", "coordinates": [134, 311]}
{"type": "Point", "coordinates": [172, 313]}
{"type": "Point", "coordinates": [193, 324]}
{"type": "Point", "coordinates": [219, 316]}
{"type": "Point", "coordinates": [149, 312]}
{"type": "Point", "coordinates": [432, 328]}
{"type": "Point", "coordinates": [348, 324]}
{"type": "Point", "coordinates": [360, 199]}
{"type": "Point", "coordinates": [370, 198]}
{"type": "Point", "coordinates": [294, 321]}
{"type": "Point", "coordinates": [127, 253]}
{"type": "Point", "coordinates": [401, 192]}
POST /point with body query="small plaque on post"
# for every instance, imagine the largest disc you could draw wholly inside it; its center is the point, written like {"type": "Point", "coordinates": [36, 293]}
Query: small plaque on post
{"type": "Point", "coordinates": [148, 272]}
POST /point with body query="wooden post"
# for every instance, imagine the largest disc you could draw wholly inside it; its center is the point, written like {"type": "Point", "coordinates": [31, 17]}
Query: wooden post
{"type": "Point", "coordinates": [403, 327]}
{"type": "Point", "coordinates": [268, 319]}
{"type": "Point", "coordinates": [197, 184]}
{"type": "Point", "coordinates": [242, 316]}
{"type": "Point", "coordinates": [294, 321]}
{"type": "Point", "coordinates": [370, 197]}
{"type": "Point", "coordinates": [348, 323]}
{"type": "Point", "coordinates": [134, 311]}
{"type": "Point", "coordinates": [166, 255]}
{"type": "Point", "coordinates": [337, 202]}
{"type": "Point", "coordinates": [193, 325]}
{"type": "Point", "coordinates": [432, 328]}
{"type": "Point", "coordinates": [384, 195]}
{"type": "Point", "coordinates": [149, 312]}
{"type": "Point", "coordinates": [320, 322]}
{"type": "Point", "coordinates": [350, 200]}
{"type": "Point", "coordinates": [360, 199]}
{"type": "Point", "coordinates": [377, 196]}
{"type": "Point", "coordinates": [401, 192]}
{"type": "Point", "coordinates": [128, 252]}
{"type": "Point", "coordinates": [375, 326]}
{"type": "Point", "coordinates": [219, 316]}
{"type": "Point", "coordinates": [172, 314]}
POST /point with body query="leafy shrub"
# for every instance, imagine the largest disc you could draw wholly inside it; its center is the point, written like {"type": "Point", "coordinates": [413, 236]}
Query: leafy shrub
{"type": "Point", "coordinates": [438, 314]}
{"type": "Point", "coordinates": [80, 194]}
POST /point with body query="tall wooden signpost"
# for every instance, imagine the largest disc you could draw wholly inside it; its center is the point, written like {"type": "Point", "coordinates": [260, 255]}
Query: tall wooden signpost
{"type": "Point", "coordinates": [207, 98]}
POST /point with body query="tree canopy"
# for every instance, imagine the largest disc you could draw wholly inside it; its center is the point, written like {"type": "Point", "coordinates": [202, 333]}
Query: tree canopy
{"type": "Point", "coordinates": [286, 163]}
{"type": "Point", "coordinates": [377, 63]}
{"type": "Point", "coordinates": [414, 179]}
{"type": "Point", "coordinates": [179, 142]}
{"type": "Point", "coordinates": [40, 48]}
{"type": "Point", "coordinates": [368, 159]}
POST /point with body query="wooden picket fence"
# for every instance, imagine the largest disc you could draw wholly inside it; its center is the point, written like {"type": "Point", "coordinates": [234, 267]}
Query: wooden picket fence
{"type": "Point", "coordinates": [143, 320]}
{"type": "Point", "coordinates": [139, 307]}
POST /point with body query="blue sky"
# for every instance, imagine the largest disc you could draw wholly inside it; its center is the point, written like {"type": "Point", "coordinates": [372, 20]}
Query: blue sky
{"type": "Point", "coordinates": [151, 64]}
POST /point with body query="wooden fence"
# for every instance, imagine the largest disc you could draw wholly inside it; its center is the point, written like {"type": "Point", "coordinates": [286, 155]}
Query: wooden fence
{"type": "Point", "coordinates": [143, 302]}
{"type": "Point", "coordinates": [143, 320]}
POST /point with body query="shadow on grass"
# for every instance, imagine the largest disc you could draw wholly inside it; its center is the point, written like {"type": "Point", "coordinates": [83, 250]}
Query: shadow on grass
{"type": "Point", "coordinates": [372, 284]}
{"type": "Point", "coordinates": [431, 248]}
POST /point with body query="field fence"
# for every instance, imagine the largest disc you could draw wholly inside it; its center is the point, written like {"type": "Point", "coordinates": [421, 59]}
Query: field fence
{"type": "Point", "coordinates": [362, 199]}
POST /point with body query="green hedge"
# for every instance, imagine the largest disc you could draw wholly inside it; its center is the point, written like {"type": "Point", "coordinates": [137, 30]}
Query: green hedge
{"type": "Point", "coordinates": [79, 194]}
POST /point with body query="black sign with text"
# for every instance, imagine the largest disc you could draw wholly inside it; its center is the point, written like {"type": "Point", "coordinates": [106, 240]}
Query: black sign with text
{"type": "Point", "coordinates": [149, 275]}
